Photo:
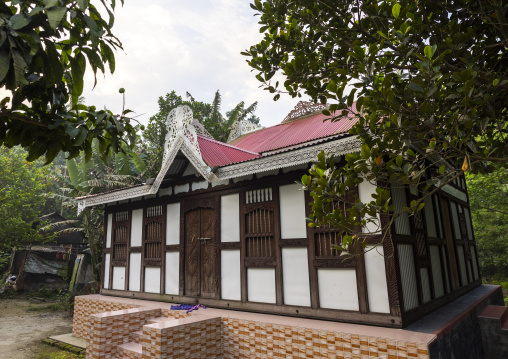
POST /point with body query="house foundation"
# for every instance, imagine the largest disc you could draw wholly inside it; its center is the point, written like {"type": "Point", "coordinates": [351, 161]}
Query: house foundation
{"type": "Point", "coordinates": [117, 327]}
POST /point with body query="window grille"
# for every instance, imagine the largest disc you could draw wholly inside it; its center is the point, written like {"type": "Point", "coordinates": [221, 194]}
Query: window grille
{"type": "Point", "coordinates": [154, 233]}
{"type": "Point", "coordinates": [326, 239]}
{"type": "Point", "coordinates": [120, 235]}
{"type": "Point", "coordinates": [259, 233]}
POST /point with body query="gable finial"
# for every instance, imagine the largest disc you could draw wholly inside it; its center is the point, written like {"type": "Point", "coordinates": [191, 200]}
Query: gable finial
{"type": "Point", "coordinates": [304, 108]}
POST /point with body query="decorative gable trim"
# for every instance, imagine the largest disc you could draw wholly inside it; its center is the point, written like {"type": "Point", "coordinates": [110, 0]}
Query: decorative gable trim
{"type": "Point", "coordinates": [304, 108]}
{"type": "Point", "coordinates": [291, 158]}
{"type": "Point", "coordinates": [240, 128]}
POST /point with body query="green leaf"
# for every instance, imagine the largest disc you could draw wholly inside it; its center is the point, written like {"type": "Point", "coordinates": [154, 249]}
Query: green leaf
{"type": "Point", "coordinates": [50, 3]}
{"type": "Point", "coordinates": [72, 168]}
{"type": "Point", "coordinates": [442, 169]}
{"type": "Point", "coordinates": [109, 56]}
{"type": "Point", "coordinates": [78, 66]}
{"type": "Point", "coordinates": [495, 82]}
{"type": "Point", "coordinates": [429, 51]}
{"type": "Point", "coordinates": [82, 4]}
{"type": "Point", "coordinates": [55, 15]}
{"type": "Point", "coordinates": [415, 87]}
{"type": "Point", "coordinates": [396, 10]}
{"type": "Point", "coordinates": [399, 161]}
{"type": "Point", "coordinates": [5, 63]}
{"type": "Point", "coordinates": [19, 21]}
{"type": "Point", "coordinates": [138, 162]}
{"type": "Point", "coordinates": [365, 151]}
{"type": "Point", "coordinates": [19, 68]}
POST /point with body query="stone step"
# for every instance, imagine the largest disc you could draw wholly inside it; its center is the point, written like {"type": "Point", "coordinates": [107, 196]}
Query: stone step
{"type": "Point", "coordinates": [136, 336]}
{"type": "Point", "coordinates": [129, 350]}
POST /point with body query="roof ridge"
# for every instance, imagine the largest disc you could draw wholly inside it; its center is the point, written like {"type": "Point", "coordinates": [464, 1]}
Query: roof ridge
{"type": "Point", "coordinates": [228, 145]}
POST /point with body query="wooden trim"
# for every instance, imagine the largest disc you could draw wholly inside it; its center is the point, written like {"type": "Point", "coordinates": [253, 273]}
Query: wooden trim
{"type": "Point", "coordinates": [171, 248]}
{"type": "Point", "coordinates": [243, 249]}
{"type": "Point", "coordinates": [279, 281]}
{"type": "Point", "coordinates": [137, 249]}
{"type": "Point", "coordinates": [340, 262]}
{"type": "Point", "coordinates": [313, 280]}
{"type": "Point", "coordinates": [230, 245]}
{"type": "Point", "coordinates": [296, 242]}
{"type": "Point", "coordinates": [261, 263]}
{"type": "Point", "coordinates": [287, 310]}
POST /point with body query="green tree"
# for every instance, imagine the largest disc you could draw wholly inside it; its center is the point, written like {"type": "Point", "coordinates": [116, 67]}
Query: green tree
{"type": "Point", "coordinates": [22, 196]}
{"type": "Point", "coordinates": [488, 195]}
{"type": "Point", "coordinates": [429, 79]}
{"type": "Point", "coordinates": [45, 46]}
{"type": "Point", "coordinates": [81, 177]}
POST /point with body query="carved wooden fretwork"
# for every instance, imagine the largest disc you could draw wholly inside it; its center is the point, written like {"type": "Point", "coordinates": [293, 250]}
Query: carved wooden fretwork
{"type": "Point", "coordinates": [182, 135]}
{"type": "Point", "coordinates": [287, 159]}
{"type": "Point", "coordinates": [200, 129]}
{"type": "Point", "coordinates": [239, 128]}
{"type": "Point", "coordinates": [268, 163]}
{"type": "Point", "coordinates": [304, 108]}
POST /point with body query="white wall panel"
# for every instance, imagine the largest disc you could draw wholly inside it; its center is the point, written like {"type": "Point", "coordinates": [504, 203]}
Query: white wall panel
{"type": "Point", "coordinates": [375, 273]}
{"type": "Point", "coordinates": [137, 227]}
{"type": "Point", "coordinates": [118, 278]}
{"type": "Point", "coordinates": [181, 188]}
{"type": "Point", "coordinates": [135, 272]}
{"type": "Point", "coordinates": [365, 192]}
{"type": "Point", "coordinates": [447, 277]}
{"type": "Point", "coordinates": [230, 274]}
{"type": "Point", "coordinates": [172, 273]}
{"type": "Point", "coordinates": [424, 275]}
{"type": "Point", "coordinates": [173, 224]}
{"type": "Point", "coordinates": [152, 280]}
{"type": "Point", "coordinates": [295, 273]}
{"type": "Point", "coordinates": [292, 211]}
{"type": "Point", "coordinates": [107, 262]}
{"type": "Point", "coordinates": [261, 285]}
{"type": "Point", "coordinates": [338, 289]}
{"type": "Point", "coordinates": [462, 264]}
{"type": "Point", "coordinates": [399, 201]}
{"type": "Point", "coordinates": [166, 191]}
{"type": "Point", "coordinates": [199, 185]}
{"type": "Point", "coordinates": [109, 229]}
{"type": "Point", "coordinates": [437, 273]}
{"type": "Point", "coordinates": [408, 276]}
{"type": "Point", "coordinates": [429, 217]}
{"type": "Point", "coordinates": [230, 218]}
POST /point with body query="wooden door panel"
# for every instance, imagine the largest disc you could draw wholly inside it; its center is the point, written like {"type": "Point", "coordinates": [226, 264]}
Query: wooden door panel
{"type": "Point", "coordinates": [208, 254]}
{"type": "Point", "coordinates": [192, 253]}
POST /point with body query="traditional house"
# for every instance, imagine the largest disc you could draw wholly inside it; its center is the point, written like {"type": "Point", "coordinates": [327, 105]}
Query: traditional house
{"type": "Point", "coordinates": [223, 224]}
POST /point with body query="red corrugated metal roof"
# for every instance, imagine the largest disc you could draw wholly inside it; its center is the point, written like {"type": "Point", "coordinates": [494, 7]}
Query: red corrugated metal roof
{"type": "Point", "coordinates": [216, 153]}
{"type": "Point", "coordinates": [293, 133]}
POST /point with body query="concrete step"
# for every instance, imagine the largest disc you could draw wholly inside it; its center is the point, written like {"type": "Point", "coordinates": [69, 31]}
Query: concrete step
{"type": "Point", "coordinates": [136, 336]}
{"type": "Point", "coordinates": [495, 313]}
{"type": "Point", "coordinates": [129, 350]}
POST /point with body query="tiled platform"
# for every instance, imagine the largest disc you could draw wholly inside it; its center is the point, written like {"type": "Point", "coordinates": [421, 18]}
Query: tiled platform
{"type": "Point", "coordinates": [216, 333]}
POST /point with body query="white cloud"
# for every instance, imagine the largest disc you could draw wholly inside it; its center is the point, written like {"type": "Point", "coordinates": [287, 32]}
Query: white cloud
{"type": "Point", "coordinates": [184, 46]}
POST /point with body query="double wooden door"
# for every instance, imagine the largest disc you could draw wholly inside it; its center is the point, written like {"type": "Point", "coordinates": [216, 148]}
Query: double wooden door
{"type": "Point", "coordinates": [200, 253]}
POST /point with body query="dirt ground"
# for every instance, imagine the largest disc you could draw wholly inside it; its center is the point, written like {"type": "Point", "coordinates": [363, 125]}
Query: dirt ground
{"type": "Point", "coordinates": [22, 330]}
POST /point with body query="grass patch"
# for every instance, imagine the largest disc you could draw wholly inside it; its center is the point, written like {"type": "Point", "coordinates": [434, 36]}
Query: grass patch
{"type": "Point", "coordinates": [59, 306]}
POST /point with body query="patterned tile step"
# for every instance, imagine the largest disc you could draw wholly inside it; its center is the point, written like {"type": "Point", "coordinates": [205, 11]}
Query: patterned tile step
{"type": "Point", "coordinates": [129, 350]}
{"type": "Point", "coordinates": [158, 320]}
{"type": "Point", "coordinates": [137, 336]}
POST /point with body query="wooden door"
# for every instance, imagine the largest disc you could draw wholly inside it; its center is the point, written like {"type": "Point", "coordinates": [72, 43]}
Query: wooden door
{"type": "Point", "coordinates": [200, 256]}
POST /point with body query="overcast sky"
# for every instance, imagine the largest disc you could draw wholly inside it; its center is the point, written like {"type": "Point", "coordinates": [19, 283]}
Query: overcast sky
{"type": "Point", "coordinates": [184, 46]}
